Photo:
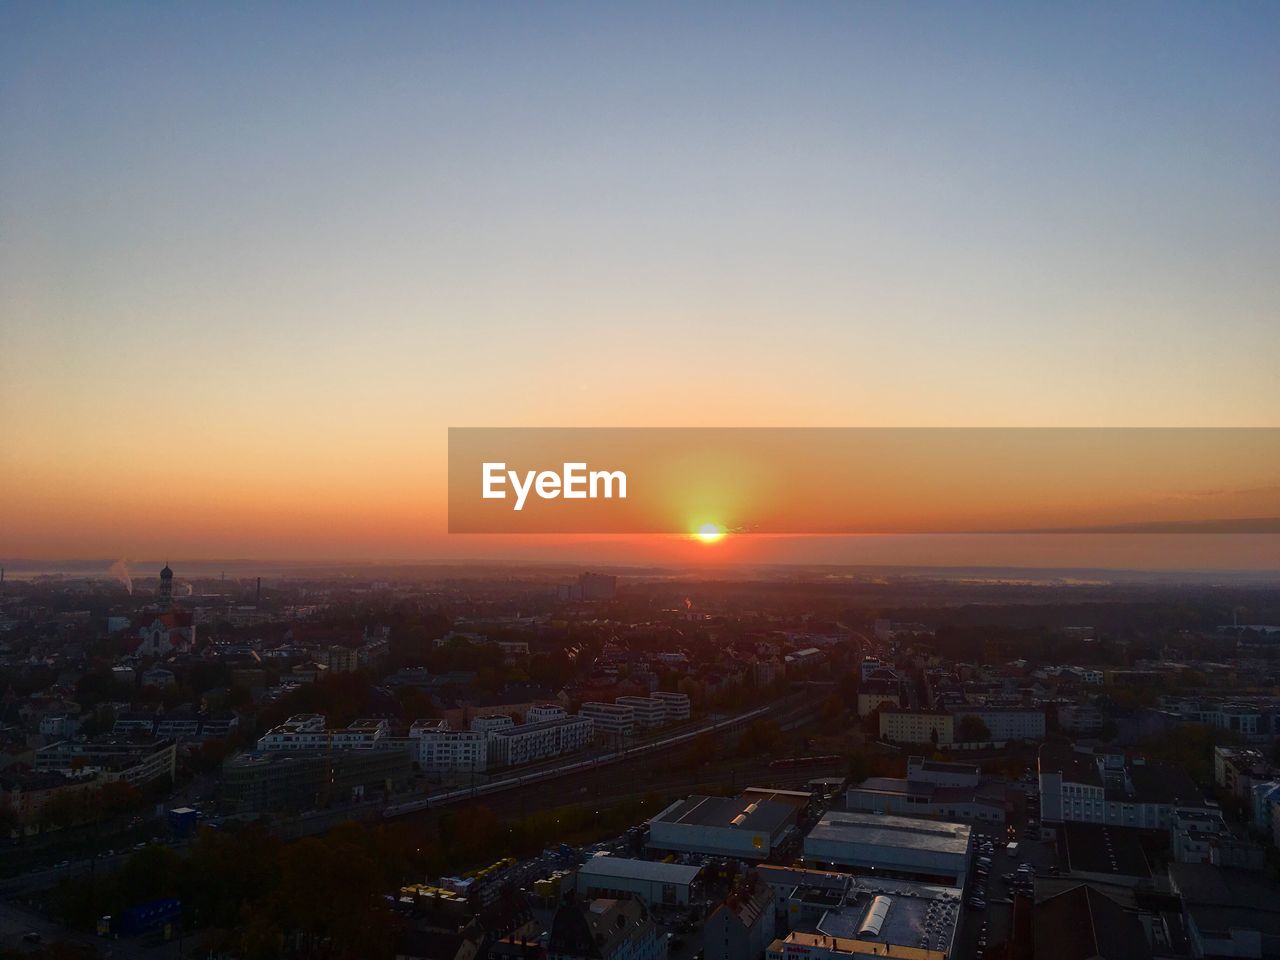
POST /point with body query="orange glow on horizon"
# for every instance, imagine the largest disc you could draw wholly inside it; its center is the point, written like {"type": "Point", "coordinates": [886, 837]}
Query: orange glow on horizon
{"type": "Point", "coordinates": [710, 533]}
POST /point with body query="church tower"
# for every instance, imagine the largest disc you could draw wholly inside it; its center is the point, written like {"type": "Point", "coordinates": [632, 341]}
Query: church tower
{"type": "Point", "coordinates": [166, 588]}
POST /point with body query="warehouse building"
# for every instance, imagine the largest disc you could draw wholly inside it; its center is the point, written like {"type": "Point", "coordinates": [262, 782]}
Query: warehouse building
{"type": "Point", "coordinates": [723, 827]}
{"type": "Point", "coordinates": [933, 788]}
{"type": "Point", "coordinates": [667, 884]}
{"type": "Point", "coordinates": [872, 917]}
{"type": "Point", "coordinates": [928, 851]}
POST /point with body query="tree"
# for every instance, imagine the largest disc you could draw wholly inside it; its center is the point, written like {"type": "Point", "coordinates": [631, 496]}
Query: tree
{"type": "Point", "coordinates": [971, 728]}
{"type": "Point", "coordinates": [762, 737]}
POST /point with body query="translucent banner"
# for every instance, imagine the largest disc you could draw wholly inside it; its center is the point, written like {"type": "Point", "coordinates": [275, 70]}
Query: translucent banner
{"type": "Point", "coordinates": [863, 480]}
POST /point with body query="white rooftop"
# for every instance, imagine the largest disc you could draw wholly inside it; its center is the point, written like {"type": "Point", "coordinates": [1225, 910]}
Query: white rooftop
{"type": "Point", "coordinates": [881, 830]}
{"type": "Point", "coordinates": [627, 869]}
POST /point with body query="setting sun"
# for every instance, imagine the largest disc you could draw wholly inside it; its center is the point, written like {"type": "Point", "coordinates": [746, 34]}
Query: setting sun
{"type": "Point", "coordinates": [710, 533]}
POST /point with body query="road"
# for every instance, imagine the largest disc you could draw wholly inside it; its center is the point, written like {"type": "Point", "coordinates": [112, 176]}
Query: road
{"type": "Point", "coordinates": [16, 921]}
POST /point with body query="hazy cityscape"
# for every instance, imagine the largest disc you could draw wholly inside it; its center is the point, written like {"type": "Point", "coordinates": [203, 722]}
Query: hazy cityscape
{"type": "Point", "coordinates": [639, 480]}
{"type": "Point", "coordinates": [541, 763]}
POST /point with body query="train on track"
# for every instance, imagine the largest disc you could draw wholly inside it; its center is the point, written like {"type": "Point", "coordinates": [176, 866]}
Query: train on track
{"type": "Point", "coordinates": [511, 783]}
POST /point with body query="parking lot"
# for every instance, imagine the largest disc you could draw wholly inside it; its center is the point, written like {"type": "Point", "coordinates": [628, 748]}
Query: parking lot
{"type": "Point", "coordinates": [996, 877]}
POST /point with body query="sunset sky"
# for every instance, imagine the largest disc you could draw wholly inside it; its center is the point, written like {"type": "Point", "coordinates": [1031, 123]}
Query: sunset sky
{"type": "Point", "coordinates": [255, 259]}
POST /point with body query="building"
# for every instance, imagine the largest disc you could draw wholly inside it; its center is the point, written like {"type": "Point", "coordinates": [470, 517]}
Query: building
{"type": "Point", "coordinates": [342, 659]}
{"type": "Point", "coordinates": [214, 726]}
{"type": "Point", "coordinates": [542, 712]}
{"type": "Point", "coordinates": [1083, 719]}
{"type": "Point", "coordinates": [1249, 720]}
{"type": "Point", "coordinates": [1236, 769]}
{"type": "Point", "coordinates": [805, 659]}
{"type": "Point", "coordinates": [655, 882]}
{"type": "Point", "coordinates": [492, 724]}
{"type": "Point", "coordinates": [130, 723]}
{"type": "Point", "coordinates": [947, 727]}
{"type": "Point", "coordinates": [363, 734]}
{"type": "Point", "coordinates": [933, 789]}
{"type": "Point", "coordinates": [612, 720]}
{"type": "Point", "coordinates": [785, 881]}
{"type": "Point", "coordinates": [1107, 788]}
{"type": "Point", "coordinates": [531, 742]}
{"type": "Point", "coordinates": [164, 592]}
{"type": "Point", "coordinates": [1084, 924]}
{"type": "Point", "coordinates": [1227, 913]}
{"type": "Point", "coordinates": [59, 725]}
{"type": "Point", "coordinates": [181, 724]}
{"type": "Point", "coordinates": [889, 846]}
{"type": "Point", "coordinates": [605, 930]}
{"type": "Point", "coordinates": [160, 678]}
{"type": "Point", "coordinates": [589, 587]}
{"type": "Point", "coordinates": [1006, 723]}
{"type": "Point", "coordinates": [877, 693]}
{"type": "Point", "coordinates": [307, 732]}
{"type": "Point", "coordinates": [648, 711]}
{"type": "Point", "coordinates": [802, 945]}
{"type": "Point", "coordinates": [743, 925]}
{"type": "Point", "coordinates": [442, 750]}
{"type": "Point", "coordinates": [24, 795]}
{"type": "Point", "coordinates": [1202, 836]}
{"type": "Point", "coordinates": [723, 826]}
{"type": "Point", "coordinates": [111, 759]}
{"type": "Point", "coordinates": [287, 782]}
{"type": "Point", "coordinates": [173, 631]}
{"type": "Point", "coordinates": [677, 704]}
{"type": "Point", "coordinates": [1265, 798]}
{"type": "Point", "coordinates": [872, 917]}
{"type": "Point", "coordinates": [302, 731]}
{"type": "Point", "coordinates": [916, 726]}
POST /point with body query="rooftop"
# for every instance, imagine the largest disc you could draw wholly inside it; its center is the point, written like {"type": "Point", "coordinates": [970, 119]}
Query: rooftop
{"type": "Point", "coordinates": [1092, 848]}
{"type": "Point", "coordinates": [1221, 899]}
{"type": "Point", "coordinates": [897, 912]}
{"type": "Point", "coordinates": [878, 829]}
{"type": "Point", "coordinates": [1082, 924]}
{"type": "Point", "coordinates": [762, 816]}
{"type": "Point", "coordinates": [515, 731]}
{"type": "Point", "coordinates": [651, 870]}
{"type": "Point", "coordinates": [864, 948]}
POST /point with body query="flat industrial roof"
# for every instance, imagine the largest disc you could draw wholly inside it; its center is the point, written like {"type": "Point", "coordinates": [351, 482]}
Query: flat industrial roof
{"type": "Point", "coordinates": [889, 831]}
{"type": "Point", "coordinates": [627, 869]}
{"type": "Point", "coordinates": [916, 916]}
{"type": "Point", "coordinates": [768, 816]}
{"type": "Point", "coordinates": [1098, 848]}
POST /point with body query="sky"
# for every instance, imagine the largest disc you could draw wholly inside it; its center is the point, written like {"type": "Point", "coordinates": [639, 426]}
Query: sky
{"type": "Point", "coordinates": [255, 260]}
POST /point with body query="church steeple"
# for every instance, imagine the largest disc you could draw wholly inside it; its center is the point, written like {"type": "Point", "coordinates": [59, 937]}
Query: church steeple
{"type": "Point", "coordinates": [166, 587]}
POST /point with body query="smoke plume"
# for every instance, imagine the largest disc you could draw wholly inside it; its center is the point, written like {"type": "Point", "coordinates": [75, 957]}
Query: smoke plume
{"type": "Point", "coordinates": [120, 570]}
